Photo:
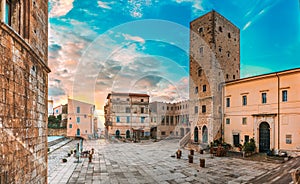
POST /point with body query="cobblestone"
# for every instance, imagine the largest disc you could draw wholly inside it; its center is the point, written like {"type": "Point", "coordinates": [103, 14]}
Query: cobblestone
{"type": "Point", "coordinates": [148, 162]}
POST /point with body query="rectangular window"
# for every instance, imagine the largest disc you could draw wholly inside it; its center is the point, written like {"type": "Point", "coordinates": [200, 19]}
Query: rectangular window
{"type": "Point", "coordinates": [264, 98]}
{"type": "Point", "coordinates": [78, 110]}
{"type": "Point", "coordinates": [142, 100]}
{"type": "Point", "coordinates": [142, 109]}
{"type": "Point", "coordinates": [162, 120]}
{"type": "Point", "coordinates": [118, 119]}
{"type": "Point", "coordinates": [142, 119]}
{"type": "Point", "coordinates": [85, 116]}
{"type": "Point", "coordinates": [167, 120]}
{"type": "Point", "coordinates": [227, 102]}
{"type": "Point", "coordinates": [167, 108]}
{"type": "Point", "coordinates": [236, 140]}
{"type": "Point", "coordinates": [196, 90]}
{"type": "Point", "coordinates": [78, 119]}
{"type": "Point", "coordinates": [196, 109]}
{"type": "Point", "coordinates": [204, 88]}
{"type": "Point", "coordinates": [70, 125]}
{"type": "Point", "coordinates": [127, 110]}
{"type": "Point", "coordinates": [284, 95]}
{"type": "Point", "coordinates": [203, 109]}
{"type": "Point", "coordinates": [227, 121]}
{"type": "Point", "coordinates": [7, 12]}
{"type": "Point", "coordinates": [244, 100]}
{"type": "Point", "coordinates": [246, 138]}
{"type": "Point", "coordinates": [127, 119]}
{"type": "Point", "coordinates": [288, 139]}
{"type": "Point", "coordinates": [163, 133]}
{"type": "Point", "coordinates": [244, 121]}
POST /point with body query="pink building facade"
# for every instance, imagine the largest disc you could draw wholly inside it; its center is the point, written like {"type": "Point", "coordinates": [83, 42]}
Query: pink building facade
{"type": "Point", "coordinates": [266, 108]}
{"type": "Point", "coordinates": [80, 119]}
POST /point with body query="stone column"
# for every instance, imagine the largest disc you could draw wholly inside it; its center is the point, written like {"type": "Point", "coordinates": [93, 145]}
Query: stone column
{"type": "Point", "coordinates": [2, 15]}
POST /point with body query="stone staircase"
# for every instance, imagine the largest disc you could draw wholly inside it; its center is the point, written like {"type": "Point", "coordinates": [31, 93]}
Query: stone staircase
{"type": "Point", "coordinates": [185, 140]}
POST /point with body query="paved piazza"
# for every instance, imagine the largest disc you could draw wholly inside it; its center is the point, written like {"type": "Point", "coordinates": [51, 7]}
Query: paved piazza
{"type": "Point", "coordinates": [148, 162]}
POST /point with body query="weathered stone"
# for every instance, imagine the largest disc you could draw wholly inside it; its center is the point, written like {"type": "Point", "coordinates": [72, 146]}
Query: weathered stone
{"type": "Point", "coordinates": [23, 83]}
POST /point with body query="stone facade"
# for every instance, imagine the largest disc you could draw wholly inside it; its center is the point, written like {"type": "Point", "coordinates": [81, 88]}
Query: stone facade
{"type": "Point", "coordinates": [214, 59]}
{"type": "Point", "coordinates": [169, 119]}
{"type": "Point", "coordinates": [23, 91]}
{"type": "Point", "coordinates": [127, 115]}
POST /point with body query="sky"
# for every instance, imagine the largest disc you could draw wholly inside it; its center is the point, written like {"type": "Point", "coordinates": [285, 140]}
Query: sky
{"type": "Point", "coordinates": [142, 46]}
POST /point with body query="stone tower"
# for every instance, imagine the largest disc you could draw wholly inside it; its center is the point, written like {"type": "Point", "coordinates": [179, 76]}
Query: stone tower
{"type": "Point", "coordinates": [23, 91]}
{"type": "Point", "coordinates": [214, 59]}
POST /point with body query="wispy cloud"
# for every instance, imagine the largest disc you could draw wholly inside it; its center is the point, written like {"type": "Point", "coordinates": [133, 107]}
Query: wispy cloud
{"type": "Point", "coordinates": [104, 5]}
{"type": "Point", "coordinates": [60, 7]}
{"type": "Point", "coordinates": [247, 25]}
{"type": "Point", "coordinates": [133, 38]}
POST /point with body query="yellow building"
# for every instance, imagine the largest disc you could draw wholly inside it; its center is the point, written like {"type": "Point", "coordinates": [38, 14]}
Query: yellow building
{"type": "Point", "coordinates": [266, 108]}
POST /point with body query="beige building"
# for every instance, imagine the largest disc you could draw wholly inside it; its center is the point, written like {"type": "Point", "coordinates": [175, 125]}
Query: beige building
{"type": "Point", "coordinates": [169, 119]}
{"type": "Point", "coordinates": [214, 59]}
{"type": "Point", "coordinates": [23, 91]}
{"type": "Point", "coordinates": [266, 108]}
{"type": "Point", "coordinates": [127, 115]}
{"type": "Point", "coordinates": [81, 120]}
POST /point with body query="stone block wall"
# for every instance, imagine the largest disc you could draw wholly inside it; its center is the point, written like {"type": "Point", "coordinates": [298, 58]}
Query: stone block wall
{"type": "Point", "coordinates": [214, 59]}
{"type": "Point", "coordinates": [57, 132]}
{"type": "Point", "coordinates": [24, 93]}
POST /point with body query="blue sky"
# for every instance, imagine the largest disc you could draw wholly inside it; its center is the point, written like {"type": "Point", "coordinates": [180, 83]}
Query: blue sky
{"type": "Point", "coordinates": [142, 46]}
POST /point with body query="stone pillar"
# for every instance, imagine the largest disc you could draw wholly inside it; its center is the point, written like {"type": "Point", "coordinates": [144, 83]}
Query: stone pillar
{"type": "Point", "coordinates": [2, 15]}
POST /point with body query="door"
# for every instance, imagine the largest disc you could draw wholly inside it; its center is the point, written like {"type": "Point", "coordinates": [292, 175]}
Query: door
{"type": "Point", "coordinates": [236, 140]}
{"type": "Point", "coordinates": [78, 132]}
{"type": "Point", "coordinates": [118, 133]}
{"type": "Point", "coordinates": [204, 134]}
{"type": "Point", "coordinates": [196, 134]}
{"type": "Point", "coordinates": [264, 137]}
{"type": "Point", "coordinates": [127, 134]}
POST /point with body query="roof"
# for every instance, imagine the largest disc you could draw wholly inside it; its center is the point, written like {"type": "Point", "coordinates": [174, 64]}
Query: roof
{"type": "Point", "coordinates": [127, 94]}
{"type": "Point", "coordinates": [272, 74]}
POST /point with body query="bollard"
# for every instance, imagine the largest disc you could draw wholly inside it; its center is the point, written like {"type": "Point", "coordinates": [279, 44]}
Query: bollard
{"type": "Point", "coordinates": [202, 162]}
{"type": "Point", "coordinates": [201, 151]}
{"type": "Point", "coordinates": [190, 158]}
{"type": "Point", "coordinates": [178, 153]}
{"type": "Point", "coordinates": [191, 152]}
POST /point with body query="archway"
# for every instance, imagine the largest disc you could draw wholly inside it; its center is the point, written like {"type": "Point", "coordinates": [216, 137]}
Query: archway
{"type": "Point", "coordinates": [127, 134]}
{"type": "Point", "coordinates": [196, 134]}
{"type": "Point", "coordinates": [78, 131]}
{"type": "Point", "coordinates": [204, 134]}
{"type": "Point", "coordinates": [117, 133]}
{"type": "Point", "coordinates": [264, 137]}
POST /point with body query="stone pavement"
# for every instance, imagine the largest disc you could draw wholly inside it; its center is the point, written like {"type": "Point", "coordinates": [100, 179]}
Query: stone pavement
{"type": "Point", "coordinates": [148, 162]}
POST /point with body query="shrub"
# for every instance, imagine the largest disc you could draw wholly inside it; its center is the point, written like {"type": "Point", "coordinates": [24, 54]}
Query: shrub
{"type": "Point", "coordinates": [250, 146]}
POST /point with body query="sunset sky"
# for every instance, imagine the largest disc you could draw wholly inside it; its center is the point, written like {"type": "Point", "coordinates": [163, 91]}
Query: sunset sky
{"type": "Point", "coordinates": [96, 47]}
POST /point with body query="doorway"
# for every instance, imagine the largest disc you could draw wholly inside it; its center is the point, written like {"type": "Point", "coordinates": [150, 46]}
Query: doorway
{"type": "Point", "coordinates": [204, 134]}
{"type": "Point", "coordinates": [264, 137]}
{"type": "Point", "coordinates": [196, 134]}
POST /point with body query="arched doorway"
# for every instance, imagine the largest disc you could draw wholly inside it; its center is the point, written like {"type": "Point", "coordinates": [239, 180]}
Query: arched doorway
{"type": "Point", "coordinates": [117, 133]}
{"type": "Point", "coordinates": [127, 134]}
{"type": "Point", "coordinates": [78, 132]}
{"type": "Point", "coordinates": [204, 134]}
{"type": "Point", "coordinates": [264, 137]}
{"type": "Point", "coordinates": [196, 134]}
